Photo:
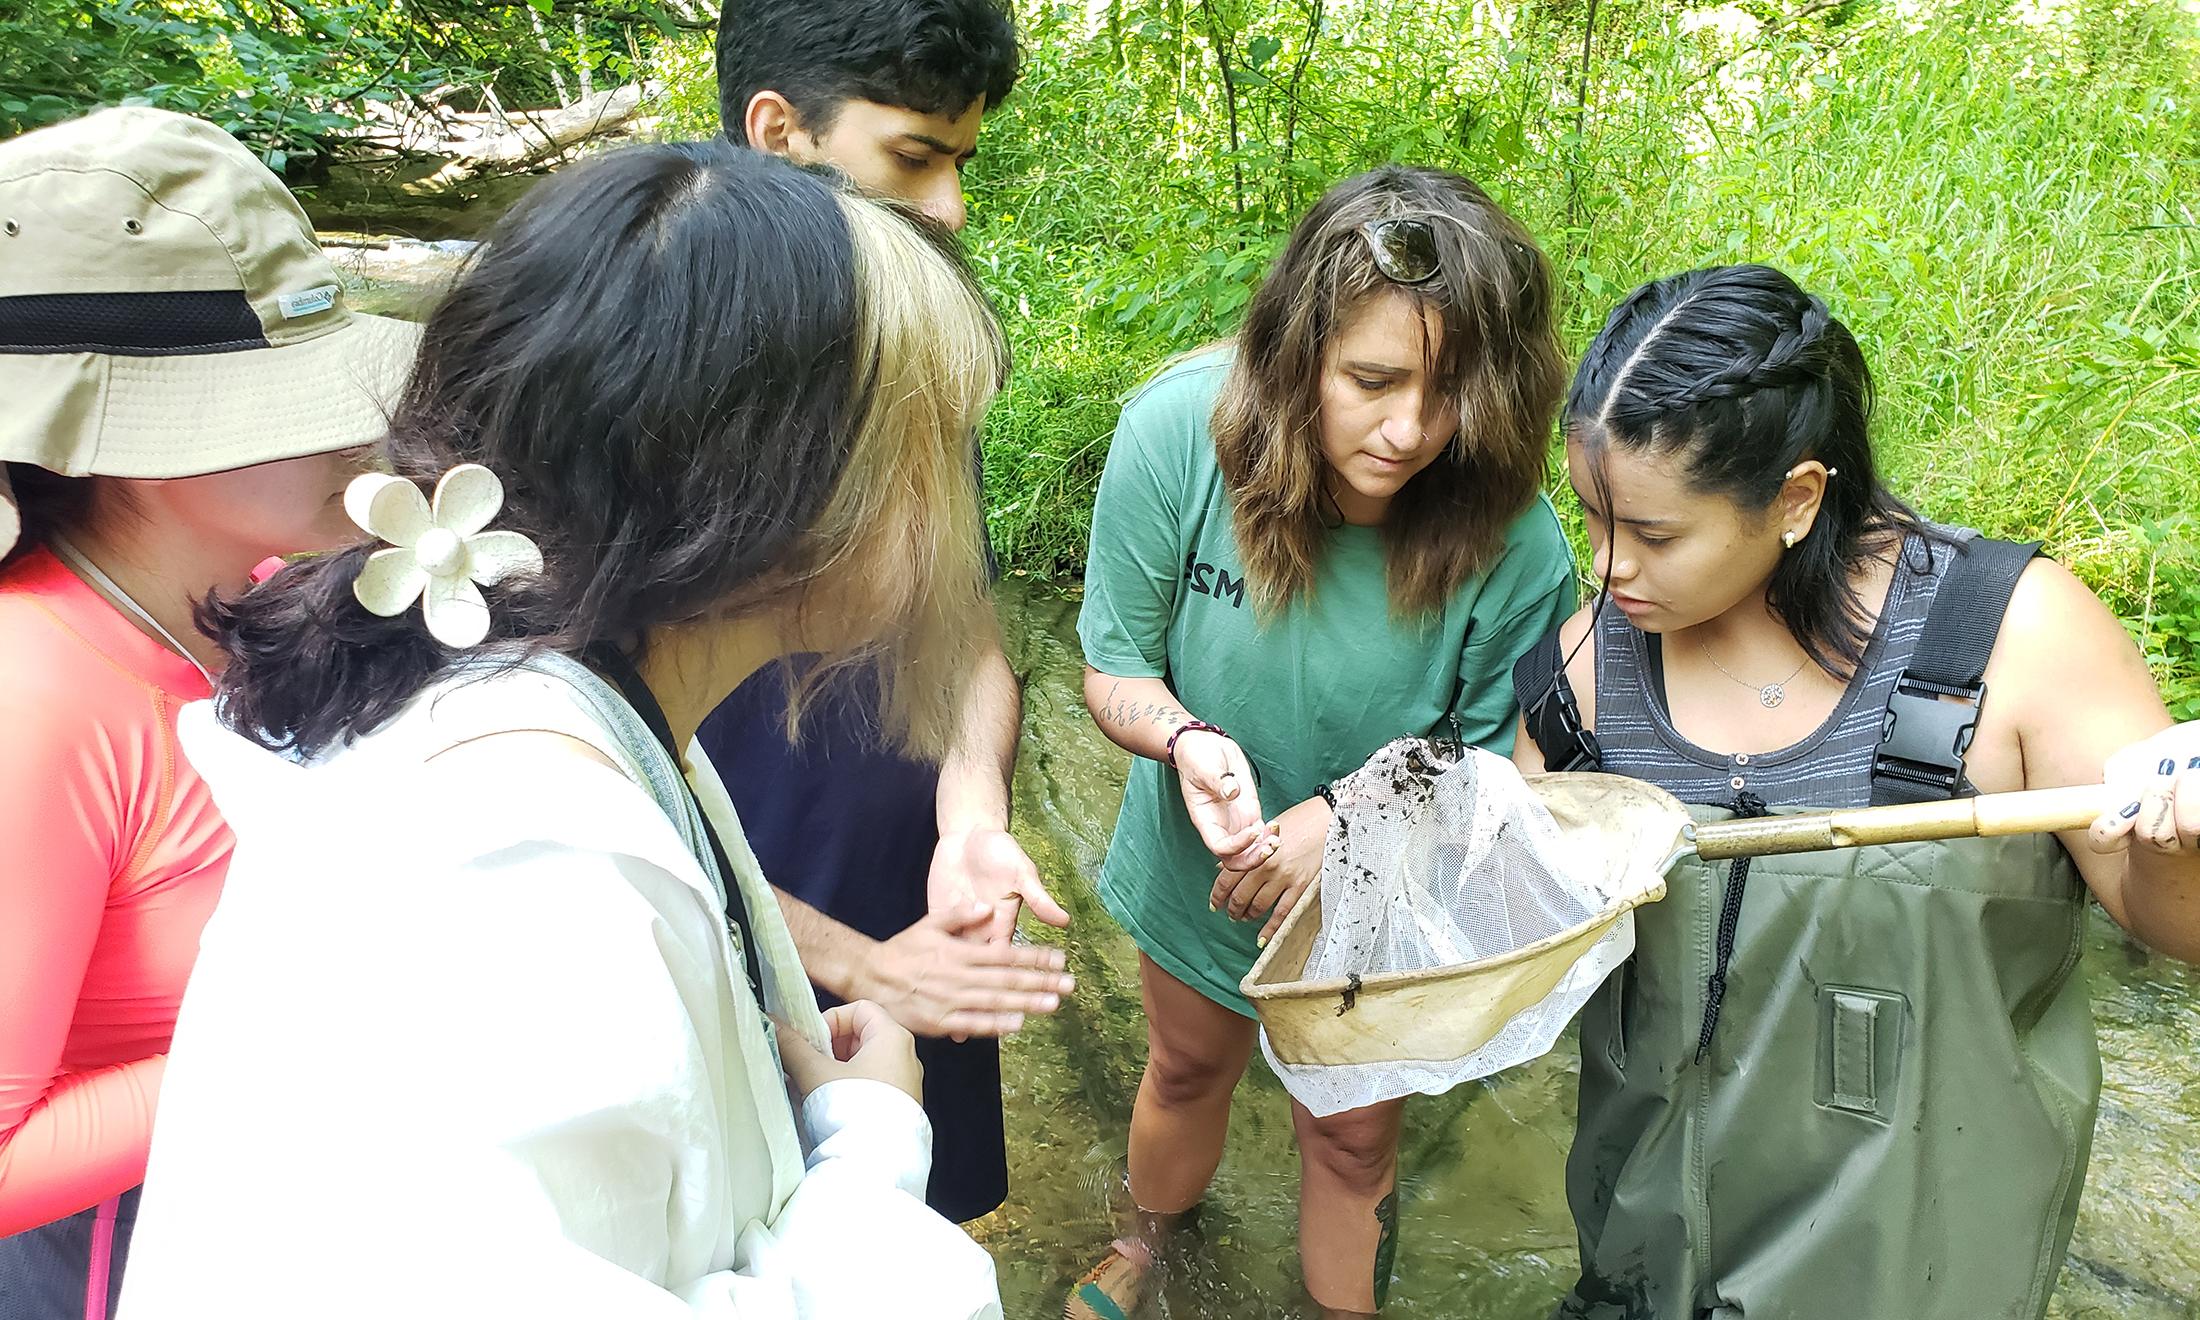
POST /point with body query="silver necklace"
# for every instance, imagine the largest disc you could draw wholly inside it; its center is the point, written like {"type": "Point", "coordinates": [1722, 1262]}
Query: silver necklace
{"type": "Point", "coordinates": [78, 560]}
{"type": "Point", "coordinates": [1769, 695]}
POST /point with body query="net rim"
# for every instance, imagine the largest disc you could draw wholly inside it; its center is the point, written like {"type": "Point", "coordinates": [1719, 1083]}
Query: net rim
{"type": "Point", "coordinates": [1329, 986]}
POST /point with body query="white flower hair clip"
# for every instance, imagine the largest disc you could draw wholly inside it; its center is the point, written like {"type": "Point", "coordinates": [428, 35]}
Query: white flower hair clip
{"type": "Point", "coordinates": [440, 551]}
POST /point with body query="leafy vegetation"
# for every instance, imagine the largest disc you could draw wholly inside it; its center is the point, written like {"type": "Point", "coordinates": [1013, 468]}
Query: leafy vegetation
{"type": "Point", "coordinates": [292, 77]}
{"type": "Point", "coordinates": [1996, 194]}
{"type": "Point", "coordinates": [1997, 197]}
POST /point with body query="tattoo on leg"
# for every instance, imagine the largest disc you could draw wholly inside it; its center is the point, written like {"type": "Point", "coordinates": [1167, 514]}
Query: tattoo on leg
{"type": "Point", "coordinates": [1386, 1244]}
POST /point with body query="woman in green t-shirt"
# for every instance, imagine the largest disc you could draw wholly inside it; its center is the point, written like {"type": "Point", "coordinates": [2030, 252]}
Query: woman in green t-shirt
{"type": "Point", "coordinates": [1319, 536]}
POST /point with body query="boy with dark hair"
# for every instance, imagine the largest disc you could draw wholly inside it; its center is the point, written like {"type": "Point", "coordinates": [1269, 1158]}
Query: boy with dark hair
{"type": "Point", "coordinates": [899, 880]}
{"type": "Point", "coordinates": [888, 91]}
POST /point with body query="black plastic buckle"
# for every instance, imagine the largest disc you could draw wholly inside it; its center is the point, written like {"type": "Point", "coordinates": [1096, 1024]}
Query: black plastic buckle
{"type": "Point", "coordinates": [1923, 739]}
{"type": "Point", "coordinates": [1581, 750]}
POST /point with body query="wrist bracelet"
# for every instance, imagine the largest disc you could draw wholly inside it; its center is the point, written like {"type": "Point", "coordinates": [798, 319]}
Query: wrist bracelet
{"type": "Point", "coordinates": [1168, 753]}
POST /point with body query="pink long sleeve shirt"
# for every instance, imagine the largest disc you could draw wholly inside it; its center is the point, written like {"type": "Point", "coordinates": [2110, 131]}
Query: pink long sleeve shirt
{"type": "Point", "coordinates": [111, 857]}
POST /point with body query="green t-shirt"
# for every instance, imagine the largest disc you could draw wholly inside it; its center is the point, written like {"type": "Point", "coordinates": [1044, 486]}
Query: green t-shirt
{"type": "Point", "coordinates": [1309, 696]}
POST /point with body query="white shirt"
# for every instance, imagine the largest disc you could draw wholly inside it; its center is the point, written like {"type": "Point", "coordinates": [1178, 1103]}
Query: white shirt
{"type": "Point", "coordinates": [467, 1036]}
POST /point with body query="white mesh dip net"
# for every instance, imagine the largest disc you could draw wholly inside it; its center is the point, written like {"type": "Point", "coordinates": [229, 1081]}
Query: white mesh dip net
{"type": "Point", "coordinates": [1443, 868]}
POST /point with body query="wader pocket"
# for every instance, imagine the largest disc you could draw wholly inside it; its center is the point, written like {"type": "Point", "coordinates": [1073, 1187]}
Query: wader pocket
{"type": "Point", "coordinates": [1859, 1049]}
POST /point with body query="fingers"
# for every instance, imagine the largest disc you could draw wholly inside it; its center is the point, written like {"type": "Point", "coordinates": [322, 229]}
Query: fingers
{"type": "Point", "coordinates": [805, 1066]}
{"type": "Point", "coordinates": [2111, 829]}
{"type": "Point", "coordinates": [963, 919]}
{"type": "Point", "coordinates": [2162, 817]}
{"type": "Point", "coordinates": [1234, 889]}
{"type": "Point", "coordinates": [1284, 904]}
{"type": "Point", "coordinates": [1042, 903]}
{"type": "Point", "coordinates": [1001, 927]}
{"type": "Point", "coordinates": [793, 1045]}
{"type": "Point", "coordinates": [1229, 844]}
{"type": "Point", "coordinates": [2169, 809]}
{"type": "Point", "coordinates": [1255, 892]}
{"type": "Point", "coordinates": [1257, 853]}
{"type": "Point", "coordinates": [1031, 974]}
{"type": "Point", "coordinates": [1264, 899]}
{"type": "Point", "coordinates": [863, 1020]}
{"type": "Point", "coordinates": [2156, 824]}
{"type": "Point", "coordinates": [999, 1012]}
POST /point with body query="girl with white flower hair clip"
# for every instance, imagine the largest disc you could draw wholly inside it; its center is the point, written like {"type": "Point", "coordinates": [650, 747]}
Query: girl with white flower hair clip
{"type": "Point", "coordinates": [496, 977]}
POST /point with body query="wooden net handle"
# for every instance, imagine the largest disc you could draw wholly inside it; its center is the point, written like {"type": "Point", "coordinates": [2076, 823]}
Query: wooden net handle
{"type": "Point", "coordinates": [2034, 811]}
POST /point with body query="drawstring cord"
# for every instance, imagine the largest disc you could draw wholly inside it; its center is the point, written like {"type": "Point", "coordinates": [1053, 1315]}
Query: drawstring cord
{"type": "Point", "coordinates": [1746, 806]}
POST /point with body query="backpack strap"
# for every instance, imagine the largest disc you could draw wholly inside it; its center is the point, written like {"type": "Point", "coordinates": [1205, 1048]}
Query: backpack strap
{"type": "Point", "coordinates": [629, 712]}
{"type": "Point", "coordinates": [1923, 738]}
{"type": "Point", "coordinates": [1550, 709]}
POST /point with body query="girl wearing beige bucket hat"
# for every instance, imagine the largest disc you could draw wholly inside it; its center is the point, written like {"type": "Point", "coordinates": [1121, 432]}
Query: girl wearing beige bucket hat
{"type": "Point", "coordinates": [185, 391]}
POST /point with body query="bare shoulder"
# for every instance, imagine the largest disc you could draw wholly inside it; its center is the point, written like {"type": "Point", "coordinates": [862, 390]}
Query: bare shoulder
{"type": "Point", "coordinates": [2055, 626]}
{"type": "Point", "coordinates": [2068, 685]}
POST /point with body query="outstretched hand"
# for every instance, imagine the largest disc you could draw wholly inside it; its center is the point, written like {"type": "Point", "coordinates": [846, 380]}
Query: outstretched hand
{"type": "Point", "coordinates": [942, 977]}
{"type": "Point", "coordinates": [989, 867]}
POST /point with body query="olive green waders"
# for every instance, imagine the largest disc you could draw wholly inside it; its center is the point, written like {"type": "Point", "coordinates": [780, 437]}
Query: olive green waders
{"type": "Point", "coordinates": [1892, 1119]}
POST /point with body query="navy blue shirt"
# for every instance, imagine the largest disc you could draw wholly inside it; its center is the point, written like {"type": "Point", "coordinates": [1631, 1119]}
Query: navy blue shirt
{"type": "Point", "coordinates": [848, 826]}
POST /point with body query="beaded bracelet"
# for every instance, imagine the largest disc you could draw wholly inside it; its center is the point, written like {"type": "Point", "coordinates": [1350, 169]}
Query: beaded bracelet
{"type": "Point", "coordinates": [1168, 753]}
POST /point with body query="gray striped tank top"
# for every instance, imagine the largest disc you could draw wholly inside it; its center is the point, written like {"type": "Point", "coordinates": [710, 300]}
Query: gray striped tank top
{"type": "Point", "coordinates": [1830, 768]}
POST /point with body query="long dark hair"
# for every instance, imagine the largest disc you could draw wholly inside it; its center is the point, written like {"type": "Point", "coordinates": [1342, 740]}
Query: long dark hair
{"type": "Point", "coordinates": [669, 358]}
{"type": "Point", "coordinates": [1498, 360]}
{"type": "Point", "coordinates": [1742, 375]}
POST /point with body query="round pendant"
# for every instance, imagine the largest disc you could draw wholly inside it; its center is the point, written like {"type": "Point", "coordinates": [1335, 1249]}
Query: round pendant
{"type": "Point", "coordinates": [1770, 695]}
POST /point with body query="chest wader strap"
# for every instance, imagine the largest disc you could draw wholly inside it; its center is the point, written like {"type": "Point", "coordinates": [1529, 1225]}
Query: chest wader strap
{"type": "Point", "coordinates": [1550, 710]}
{"type": "Point", "coordinates": [1746, 806]}
{"type": "Point", "coordinates": [1923, 739]}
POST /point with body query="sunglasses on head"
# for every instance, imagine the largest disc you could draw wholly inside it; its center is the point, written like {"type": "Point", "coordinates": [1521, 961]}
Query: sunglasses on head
{"type": "Point", "coordinates": [1404, 248]}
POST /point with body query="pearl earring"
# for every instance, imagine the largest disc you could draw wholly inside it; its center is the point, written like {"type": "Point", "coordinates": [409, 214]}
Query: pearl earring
{"type": "Point", "coordinates": [1788, 539]}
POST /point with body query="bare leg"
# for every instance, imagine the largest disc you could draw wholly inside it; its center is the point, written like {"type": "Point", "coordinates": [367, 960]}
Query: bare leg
{"type": "Point", "coordinates": [1196, 1051]}
{"type": "Point", "coordinates": [1348, 1166]}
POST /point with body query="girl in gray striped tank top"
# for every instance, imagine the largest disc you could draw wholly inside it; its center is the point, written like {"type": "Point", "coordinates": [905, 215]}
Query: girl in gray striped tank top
{"type": "Point", "coordinates": [1842, 1085]}
{"type": "Point", "coordinates": [1829, 767]}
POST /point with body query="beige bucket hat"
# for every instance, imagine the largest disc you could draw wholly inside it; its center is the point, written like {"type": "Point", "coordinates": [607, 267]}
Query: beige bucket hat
{"type": "Point", "coordinates": [166, 312]}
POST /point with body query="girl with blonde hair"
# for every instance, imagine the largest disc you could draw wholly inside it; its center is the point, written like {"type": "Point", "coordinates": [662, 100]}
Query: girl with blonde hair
{"type": "Point", "coordinates": [497, 986]}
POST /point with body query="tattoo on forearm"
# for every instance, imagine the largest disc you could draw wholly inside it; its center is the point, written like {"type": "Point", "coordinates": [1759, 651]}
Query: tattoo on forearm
{"type": "Point", "coordinates": [1126, 714]}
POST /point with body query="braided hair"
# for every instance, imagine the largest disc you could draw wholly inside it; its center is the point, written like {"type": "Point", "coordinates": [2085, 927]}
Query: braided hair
{"type": "Point", "coordinates": [1741, 375]}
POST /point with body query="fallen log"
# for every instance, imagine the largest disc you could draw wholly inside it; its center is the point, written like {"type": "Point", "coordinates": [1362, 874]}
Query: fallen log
{"type": "Point", "coordinates": [473, 143]}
